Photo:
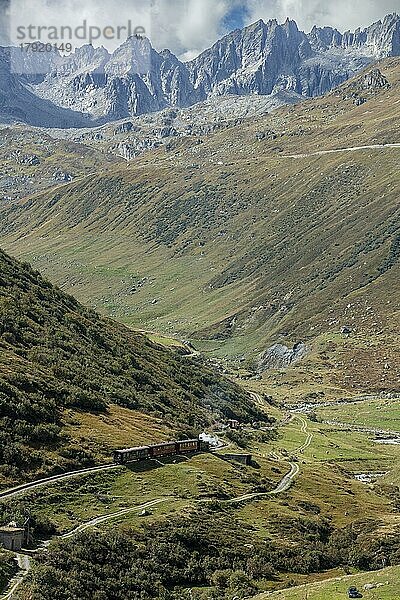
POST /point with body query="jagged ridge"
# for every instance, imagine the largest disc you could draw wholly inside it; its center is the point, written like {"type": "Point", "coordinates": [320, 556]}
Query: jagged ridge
{"type": "Point", "coordinates": [264, 58]}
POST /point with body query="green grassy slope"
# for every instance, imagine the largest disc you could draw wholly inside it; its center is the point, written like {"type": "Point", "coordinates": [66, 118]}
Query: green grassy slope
{"type": "Point", "coordinates": [57, 355]}
{"type": "Point", "coordinates": [325, 524]}
{"type": "Point", "coordinates": [387, 582]}
{"type": "Point", "coordinates": [233, 240]}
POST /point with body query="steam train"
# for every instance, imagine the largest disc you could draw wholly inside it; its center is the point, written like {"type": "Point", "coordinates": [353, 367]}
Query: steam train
{"type": "Point", "coordinates": [121, 457]}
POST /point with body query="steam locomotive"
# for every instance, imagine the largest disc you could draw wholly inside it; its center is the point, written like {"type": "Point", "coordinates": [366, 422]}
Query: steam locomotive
{"type": "Point", "coordinates": [121, 457]}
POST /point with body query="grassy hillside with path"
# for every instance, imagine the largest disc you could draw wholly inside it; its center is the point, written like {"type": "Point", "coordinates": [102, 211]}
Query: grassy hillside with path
{"type": "Point", "coordinates": [60, 361]}
{"type": "Point", "coordinates": [326, 520]}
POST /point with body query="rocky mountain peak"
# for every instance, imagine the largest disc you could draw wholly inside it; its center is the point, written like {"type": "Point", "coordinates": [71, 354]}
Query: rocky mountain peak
{"type": "Point", "coordinates": [86, 59]}
{"type": "Point", "coordinates": [390, 37]}
{"type": "Point", "coordinates": [133, 57]}
{"type": "Point", "coordinates": [169, 56]}
{"type": "Point", "coordinates": [323, 38]}
{"type": "Point", "coordinates": [262, 59]}
{"type": "Point", "coordinates": [291, 26]}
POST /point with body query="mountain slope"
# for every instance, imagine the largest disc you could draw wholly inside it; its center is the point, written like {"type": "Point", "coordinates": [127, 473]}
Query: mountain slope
{"type": "Point", "coordinates": [31, 160]}
{"type": "Point", "coordinates": [57, 355]}
{"type": "Point", "coordinates": [254, 237]}
{"type": "Point", "coordinates": [263, 59]}
{"type": "Point", "coordinates": [18, 103]}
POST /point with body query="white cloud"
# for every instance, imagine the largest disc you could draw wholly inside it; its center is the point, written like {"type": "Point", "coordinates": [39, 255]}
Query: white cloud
{"type": "Point", "coordinates": [187, 27]}
{"type": "Point", "coordinates": [73, 13]}
{"type": "Point", "coordinates": [343, 14]}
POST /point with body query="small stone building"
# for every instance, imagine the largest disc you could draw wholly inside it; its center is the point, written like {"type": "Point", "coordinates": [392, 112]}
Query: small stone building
{"type": "Point", "coordinates": [12, 537]}
{"type": "Point", "coordinates": [244, 459]}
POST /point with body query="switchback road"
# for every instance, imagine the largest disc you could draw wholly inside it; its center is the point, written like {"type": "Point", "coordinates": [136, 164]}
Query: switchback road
{"type": "Point", "coordinates": [24, 561]}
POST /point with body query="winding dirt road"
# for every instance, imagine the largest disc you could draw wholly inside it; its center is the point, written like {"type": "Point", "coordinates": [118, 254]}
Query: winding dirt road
{"type": "Point", "coordinates": [24, 564]}
{"type": "Point", "coordinates": [288, 479]}
{"type": "Point", "coordinates": [339, 150]}
{"type": "Point", "coordinates": [304, 429]}
{"type": "Point", "coordinates": [114, 515]}
{"type": "Point", "coordinates": [24, 560]}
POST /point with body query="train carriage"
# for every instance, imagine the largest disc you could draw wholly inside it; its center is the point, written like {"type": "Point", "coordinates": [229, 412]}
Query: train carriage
{"type": "Point", "coordinates": [121, 457]}
{"type": "Point", "coordinates": [187, 446]}
{"type": "Point", "coordinates": [166, 449]}
{"type": "Point", "coordinates": [131, 454]}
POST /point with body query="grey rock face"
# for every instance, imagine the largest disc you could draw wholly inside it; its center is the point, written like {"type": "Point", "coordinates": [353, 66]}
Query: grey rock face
{"type": "Point", "coordinates": [256, 60]}
{"type": "Point", "coordinates": [124, 128]}
{"type": "Point", "coordinates": [380, 40]}
{"type": "Point", "coordinates": [279, 356]}
{"type": "Point", "coordinates": [134, 80]}
{"type": "Point", "coordinates": [19, 102]}
{"type": "Point", "coordinates": [269, 59]}
{"type": "Point", "coordinates": [375, 80]}
{"type": "Point", "coordinates": [62, 176]}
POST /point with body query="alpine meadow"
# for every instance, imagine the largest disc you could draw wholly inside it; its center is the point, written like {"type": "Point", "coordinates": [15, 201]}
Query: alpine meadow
{"type": "Point", "coordinates": [199, 305]}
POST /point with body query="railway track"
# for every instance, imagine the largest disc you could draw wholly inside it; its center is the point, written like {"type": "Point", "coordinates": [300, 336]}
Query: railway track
{"type": "Point", "coordinates": [32, 485]}
{"type": "Point", "coordinates": [24, 560]}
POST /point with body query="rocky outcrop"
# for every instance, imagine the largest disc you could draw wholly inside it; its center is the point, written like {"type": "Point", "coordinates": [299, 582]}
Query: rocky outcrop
{"type": "Point", "coordinates": [124, 128]}
{"type": "Point", "coordinates": [29, 159]}
{"type": "Point", "coordinates": [279, 356]}
{"type": "Point", "coordinates": [362, 89]}
{"type": "Point", "coordinates": [129, 150]}
{"type": "Point", "coordinates": [62, 176]}
{"type": "Point", "coordinates": [375, 80]}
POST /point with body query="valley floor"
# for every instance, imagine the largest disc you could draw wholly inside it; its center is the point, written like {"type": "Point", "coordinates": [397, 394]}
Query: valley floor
{"type": "Point", "coordinates": [310, 466]}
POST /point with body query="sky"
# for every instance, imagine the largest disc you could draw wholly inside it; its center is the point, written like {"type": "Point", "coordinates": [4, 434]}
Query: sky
{"type": "Point", "coordinates": [214, 18]}
{"type": "Point", "coordinates": [187, 27]}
